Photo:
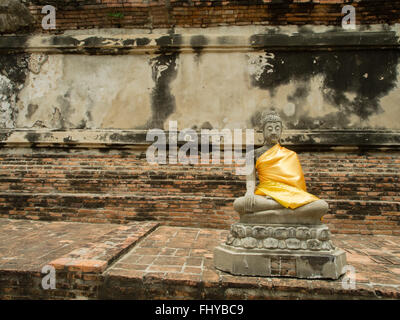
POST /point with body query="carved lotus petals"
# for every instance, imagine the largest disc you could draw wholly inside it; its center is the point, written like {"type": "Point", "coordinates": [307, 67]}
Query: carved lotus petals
{"type": "Point", "coordinates": [230, 239]}
{"type": "Point", "coordinates": [249, 243]}
{"type": "Point", "coordinates": [323, 234]}
{"type": "Point", "coordinates": [249, 231]}
{"type": "Point", "coordinates": [241, 231]}
{"type": "Point", "coordinates": [325, 245]}
{"type": "Point", "coordinates": [281, 244]}
{"type": "Point", "coordinates": [237, 243]}
{"type": "Point", "coordinates": [281, 233]}
{"type": "Point", "coordinates": [234, 231]}
{"type": "Point", "coordinates": [293, 243]}
{"type": "Point", "coordinates": [280, 237]}
{"type": "Point", "coordinates": [260, 232]}
{"type": "Point", "coordinates": [270, 243]}
{"type": "Point", "coordinates": [313, 233]}
{"type": "Point", "coordinates": [291, 232]}
{"type": "Point", "coordinates": [303, 233]}
{"type": "Point", "coordinates": [314, 244]}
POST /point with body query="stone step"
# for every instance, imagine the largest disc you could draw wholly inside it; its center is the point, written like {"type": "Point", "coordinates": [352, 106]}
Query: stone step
{"type": "Point", "coordinates": [327, 190]}
{"type": "Point", "coordinates": [123, 186]}
{"type": "Point", "coordinates": [184, 168]}
{"type": "Point", "coordinates": [190, 210]}
{"type": "Point", "coordinates": [183, 210]}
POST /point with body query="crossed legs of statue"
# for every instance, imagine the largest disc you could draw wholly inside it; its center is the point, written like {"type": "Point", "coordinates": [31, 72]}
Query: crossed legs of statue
{"type": "Point", "coordinates": [267, 210]}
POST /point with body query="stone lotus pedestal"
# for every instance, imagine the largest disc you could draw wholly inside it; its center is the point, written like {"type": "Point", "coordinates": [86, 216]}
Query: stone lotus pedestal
{"type": "Point", "coordinates": [286, 250]}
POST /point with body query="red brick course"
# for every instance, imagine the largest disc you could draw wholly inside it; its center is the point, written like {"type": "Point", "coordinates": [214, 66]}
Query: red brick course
{"type": "Point", "coordinates": [198, 13]}
{"type": "Point", "coordinates": [362, 190]}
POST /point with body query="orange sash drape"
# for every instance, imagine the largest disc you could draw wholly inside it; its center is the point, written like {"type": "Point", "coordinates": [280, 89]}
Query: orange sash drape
{"type": "Point", "coordinates": [281, 178]}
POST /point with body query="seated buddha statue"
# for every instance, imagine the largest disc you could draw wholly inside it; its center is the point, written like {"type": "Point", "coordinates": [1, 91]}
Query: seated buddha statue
{"type": "Point", "coordinates": [281, 195]}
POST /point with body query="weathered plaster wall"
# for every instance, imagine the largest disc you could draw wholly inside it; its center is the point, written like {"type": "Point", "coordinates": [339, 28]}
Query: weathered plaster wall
{"type": "Point", "coordinates": [316, 77]}
{"type": "Point", "coordinates": [324, 90]}
{"type": "Point", "coordinates": [337, 90]}
{"type": "Point", "coordinates": [75, 91]}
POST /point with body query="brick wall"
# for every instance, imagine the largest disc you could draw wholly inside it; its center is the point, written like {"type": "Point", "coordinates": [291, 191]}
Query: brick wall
{"type": "Point", "coordinates": [362, 190]}
{"type": "Point", "coordinates": [83, 14]}
{"type": "Point", "coordinates": [26, 285]}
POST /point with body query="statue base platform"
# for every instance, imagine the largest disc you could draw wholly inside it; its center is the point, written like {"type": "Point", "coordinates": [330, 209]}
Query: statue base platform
{"type": "Point", "coordinates": [280, 250]}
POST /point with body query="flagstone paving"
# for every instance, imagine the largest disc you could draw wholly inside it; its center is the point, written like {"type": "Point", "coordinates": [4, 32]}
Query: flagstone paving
{"type": "Point", "coordinates": [142, 260]}
{"type": "Point", "coordinates": [29, 245]}
{"type": "Point", "coordinates": [185, 255]}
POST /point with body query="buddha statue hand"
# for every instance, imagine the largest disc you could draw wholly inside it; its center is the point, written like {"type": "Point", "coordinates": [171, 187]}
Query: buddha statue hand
{"type": "Point", "coordinates": [249, 202]}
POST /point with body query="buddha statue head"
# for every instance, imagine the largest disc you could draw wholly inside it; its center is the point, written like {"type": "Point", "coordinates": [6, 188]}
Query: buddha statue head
{"type": "Point", "coordinates": [271, 124]}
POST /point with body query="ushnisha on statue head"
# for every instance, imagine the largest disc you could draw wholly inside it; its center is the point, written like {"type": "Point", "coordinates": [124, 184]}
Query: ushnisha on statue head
{"type": "Point", "coordinates": [271, 124]}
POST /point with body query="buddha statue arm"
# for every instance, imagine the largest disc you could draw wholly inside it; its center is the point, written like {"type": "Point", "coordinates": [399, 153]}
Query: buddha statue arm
{"type": "Point", "coordinates": [251, 182]}
{"type": "Point", "coordinates": [249, 200]}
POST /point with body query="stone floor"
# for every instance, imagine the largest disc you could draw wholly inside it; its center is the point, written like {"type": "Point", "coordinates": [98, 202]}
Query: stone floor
{"type": "Point", "coordinates": [186, 254]}
{"type": "Point", "coordinates": [29, 245]}
{"type": "Point", "coordinates": [142, 260]}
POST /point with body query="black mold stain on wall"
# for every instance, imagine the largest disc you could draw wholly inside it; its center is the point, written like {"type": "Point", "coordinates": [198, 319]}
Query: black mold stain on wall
{"type": "Point", "coordinates": [164, 71]}
{"type": "Point", "coordinates": [64, 108]}
{"type": "Point", "coordinates": [369, 75]}
{"type": "Point", "coordinates": [198, 42]}
{"type": "Point", "coordinates": [15, 68]}
{"type": "Point", "coordinates": [142, 41]}
{"type": "Point", "coordinates": [32, 137]}
{"type": "Point", "coordinates": [32, 108]}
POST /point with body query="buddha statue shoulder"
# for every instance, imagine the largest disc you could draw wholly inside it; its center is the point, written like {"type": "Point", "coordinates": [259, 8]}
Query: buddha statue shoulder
{"type": "Point", "coordinates": [280, 195]}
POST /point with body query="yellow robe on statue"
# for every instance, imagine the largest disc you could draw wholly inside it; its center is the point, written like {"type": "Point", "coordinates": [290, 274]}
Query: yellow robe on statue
{"type": "Point", "coordinates": [282, 178]}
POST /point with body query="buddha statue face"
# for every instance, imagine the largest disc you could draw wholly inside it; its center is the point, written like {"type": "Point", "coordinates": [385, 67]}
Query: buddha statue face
{"type": "Point", "coordinates": [272, 132]}
{"type": "Point", "coordinates": [272, 128]}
